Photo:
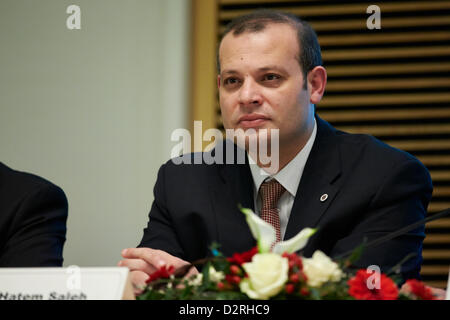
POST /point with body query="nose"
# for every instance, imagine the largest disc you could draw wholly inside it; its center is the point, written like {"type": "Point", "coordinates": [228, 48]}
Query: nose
{"type": "Point", "coordinates": [249, 93]}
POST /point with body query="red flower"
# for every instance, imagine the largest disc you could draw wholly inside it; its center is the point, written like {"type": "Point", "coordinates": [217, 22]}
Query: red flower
{"type": "Point", "coordinates": [235, 269]}
{"type": "Point", "coordinates": [294, 278]}
{"type": "Point", "coordinates": [289, 288]}
{"type": "Point", "coordinates": [240, 258]}
{"type": "Point", "coordinates": [294, 260]}
{"type": "Point", "coordinates": [304, 291]}
{"type": "Point", "coordinates": [232, 279]}
{"type": "Point", "coordinates": [418, 289]}
{"type": "Point", "coordinates": [162, 272]}
{"type": "Point", "coordinates": [220, 286]}
{"type": "Point", "coordinates": [360, 287]}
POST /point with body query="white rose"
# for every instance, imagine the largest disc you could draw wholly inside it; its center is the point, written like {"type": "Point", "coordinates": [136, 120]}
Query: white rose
{"type": "Point", "coordinates": [267, 274]}
{"type": "Point", "coordinates": [320, 269]}
{"type": "Point", "coordinates": [214, 276]}
{"type": "Point", "coordinates": [196, 280]}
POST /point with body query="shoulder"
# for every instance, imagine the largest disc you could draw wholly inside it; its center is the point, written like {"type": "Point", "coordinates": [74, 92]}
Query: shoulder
{"type": "Point", "coordinates": [361, 147]}
{"type": "Point", "coordinates": [379, 164]}
{"type": "Point", "coordinates": [225, 153]}
{"type": "Point", "coordinates": [188, 170]}
{"type": "Point", "coordinates": [366, 156]}
{"type": "Point", "coordinates": [374, 150]}
{"type": "Point", "coordinates": [202, 171]}
{"type": "Point", "coordinates": [16, 186]}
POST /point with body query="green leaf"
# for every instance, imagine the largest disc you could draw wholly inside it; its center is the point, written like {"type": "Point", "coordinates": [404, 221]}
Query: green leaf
{"type": "Point", "coordinates": [314, 293]}
{"type": "Point", "coordinates": [356, 254]}
{"type": "Point", "coordinates": [397, 268]}
{"type": "Point", "coordinates": [221, 264]}
{"type": "Point", "coordinates": [214, 247]}
{"type": "Point", "coordinates": [206, 281]}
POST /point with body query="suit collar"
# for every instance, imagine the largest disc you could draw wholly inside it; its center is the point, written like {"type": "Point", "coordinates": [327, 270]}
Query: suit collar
{"type": "Point", "coordinates": [237, 174]}
{"type": "Point", "coordinates": [319, 183]}
{"type": "Point", "coordinates": [233, 187]}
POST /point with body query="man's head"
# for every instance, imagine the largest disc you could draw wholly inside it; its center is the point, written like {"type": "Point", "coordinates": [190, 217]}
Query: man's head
{"type": "Point", "coordinates": [309, 55]}
{"type": "Point", "coordinates": [264, 82]}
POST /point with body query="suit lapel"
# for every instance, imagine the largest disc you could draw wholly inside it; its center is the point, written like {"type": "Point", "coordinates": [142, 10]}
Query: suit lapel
{"type": "Point", "coordinates": [319, 183]}
{"type": "Point", "coordinates": [234, 186]}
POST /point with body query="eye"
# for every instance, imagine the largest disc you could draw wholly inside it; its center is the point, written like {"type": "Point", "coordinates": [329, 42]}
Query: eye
{"type": "Point", "coordinates": [271, 80]}
{"type": "Point", "coordinates": [231, 82]}
{"type": "Point", "coordinates": [271, 77]}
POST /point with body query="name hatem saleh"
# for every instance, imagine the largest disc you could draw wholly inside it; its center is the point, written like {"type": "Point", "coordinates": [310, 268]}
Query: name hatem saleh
{"type": "Point", "coordinates": [51, 296]}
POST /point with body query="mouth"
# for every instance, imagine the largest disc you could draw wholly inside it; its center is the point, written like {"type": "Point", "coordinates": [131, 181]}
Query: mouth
{"type": "Point", "coordinates": [252, 120]}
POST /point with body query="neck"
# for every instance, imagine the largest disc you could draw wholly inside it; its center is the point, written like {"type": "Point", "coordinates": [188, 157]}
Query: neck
{"type": "Point", "coordinates": [287, 151]}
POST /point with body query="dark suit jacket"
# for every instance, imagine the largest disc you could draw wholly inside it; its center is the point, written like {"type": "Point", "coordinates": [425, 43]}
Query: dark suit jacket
{"type": "Point", "coordinates": [373, 189]}
{"type": "Point", "coordinates": [33, 214]}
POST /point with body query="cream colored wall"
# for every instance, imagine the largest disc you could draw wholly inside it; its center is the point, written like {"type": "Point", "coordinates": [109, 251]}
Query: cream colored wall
{"type": "Point", "coordinates": [92, 109]}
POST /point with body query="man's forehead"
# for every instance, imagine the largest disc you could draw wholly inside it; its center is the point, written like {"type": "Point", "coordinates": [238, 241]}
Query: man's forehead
{"type": "Point", "coordinates": [274, 36]}
{"type": "Point", "coordinates": [271, 28]}
{"type": "Point", "coordinates": [264, 49]}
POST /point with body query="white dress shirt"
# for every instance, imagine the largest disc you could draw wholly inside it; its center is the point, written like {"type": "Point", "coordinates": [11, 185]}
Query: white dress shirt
{"type": "Point", "coordinates": [289, 177]}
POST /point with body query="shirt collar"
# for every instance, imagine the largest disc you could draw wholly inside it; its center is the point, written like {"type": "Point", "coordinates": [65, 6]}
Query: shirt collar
{"type": "Point", "coordinates": [289, 177]}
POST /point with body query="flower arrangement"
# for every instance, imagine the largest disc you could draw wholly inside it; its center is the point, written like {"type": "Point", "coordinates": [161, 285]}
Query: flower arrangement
{"type": "Point", "coordinates": [276, 271]}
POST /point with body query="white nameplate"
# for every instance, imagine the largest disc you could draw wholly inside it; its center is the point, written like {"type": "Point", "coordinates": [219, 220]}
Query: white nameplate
{"type": "Point", "coordinates": [71, 283]}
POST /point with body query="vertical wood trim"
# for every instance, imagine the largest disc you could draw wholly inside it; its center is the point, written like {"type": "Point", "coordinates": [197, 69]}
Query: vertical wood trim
{"type": "Point", "coordinates": [203, 64]}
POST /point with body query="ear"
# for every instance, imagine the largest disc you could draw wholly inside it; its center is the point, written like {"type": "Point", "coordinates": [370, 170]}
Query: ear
{"type": "Point", "coordinates": [218, 81]}
{"type": "Point", "coordinates": [317, 80]}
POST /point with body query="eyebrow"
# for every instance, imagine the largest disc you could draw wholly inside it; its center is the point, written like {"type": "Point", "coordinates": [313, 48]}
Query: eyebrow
{"type": "Point", "coordinates": [268, 68]}
{"type": "Point", "coordinates": [230, 72]}
{"type": "Point", "coordinates": [263, 69]}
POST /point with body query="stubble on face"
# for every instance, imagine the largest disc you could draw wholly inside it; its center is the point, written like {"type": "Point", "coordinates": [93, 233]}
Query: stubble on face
{"type": "Point", "coordinates": [266, 81]}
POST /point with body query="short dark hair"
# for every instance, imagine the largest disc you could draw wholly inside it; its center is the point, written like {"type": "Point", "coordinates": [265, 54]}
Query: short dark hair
{"type": "Point", "coordinates": [309, 48]}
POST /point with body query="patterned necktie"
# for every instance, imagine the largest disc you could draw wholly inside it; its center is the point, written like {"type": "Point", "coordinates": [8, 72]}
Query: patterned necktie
{"type": "Point", "coordinates": [271, 191]}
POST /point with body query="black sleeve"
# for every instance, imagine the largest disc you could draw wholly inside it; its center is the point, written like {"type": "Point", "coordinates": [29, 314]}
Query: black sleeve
{"type": "Point", "coordinates": [160, 233]}
{"type": "Point", "coordinates": [38, 230]}
{"type": "Point", "coordinates": [400, 201]}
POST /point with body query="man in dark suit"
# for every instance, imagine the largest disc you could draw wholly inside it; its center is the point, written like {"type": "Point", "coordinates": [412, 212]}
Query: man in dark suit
{"type": "Point", "coordinates": [33, 214]}
{"type": "Point", "coordinates": [351, 187]}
